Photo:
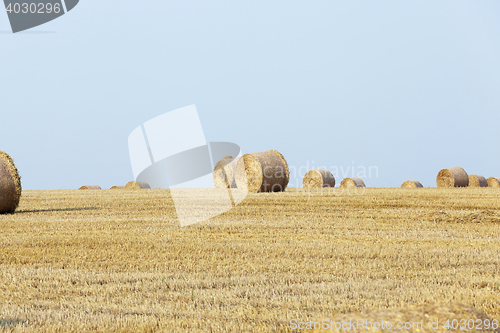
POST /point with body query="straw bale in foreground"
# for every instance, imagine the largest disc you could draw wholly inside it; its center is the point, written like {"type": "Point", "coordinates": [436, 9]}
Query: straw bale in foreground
{"type": "Point", "coordinates": [10, 184]}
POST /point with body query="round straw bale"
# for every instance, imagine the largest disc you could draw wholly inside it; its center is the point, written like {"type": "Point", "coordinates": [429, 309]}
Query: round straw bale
{"type": "Point", "coordinates": [262, 172]}
{"type": "Point", "coordinates": [230, 170]}
{"type": "Point", "coordinates": [90, 187]}
{"type": "Point", "coordinates": [223, 173]}
{"type": "Point", "coordinates": [477, 181]}
{"type": "Point", "coordinates": [117, 187]}
{"type": "Point", "coordinates": [10, 184]}
{"type": "Point", "coordinates": [314, 179]}
{"type": "Point", "coordinates": [133, 185]}
{"type": "Point", "coordinates": [411, 184]}
{"type": "Point", "coordinates": [452, 177]}
{"type": "Point", "coordinates": [494, 182]}
{"type": "Point", "coordinates": [286, 178]}
{"type": "Point", "coordinates": [352, 182]}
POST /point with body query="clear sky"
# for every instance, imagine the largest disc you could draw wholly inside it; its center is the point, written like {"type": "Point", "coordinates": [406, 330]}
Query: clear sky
{"type": "Point", "coordinates": [408, 87]}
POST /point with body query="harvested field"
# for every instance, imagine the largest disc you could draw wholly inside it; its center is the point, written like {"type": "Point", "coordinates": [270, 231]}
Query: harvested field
{"type": "Point", "coordinates": [118, 261]}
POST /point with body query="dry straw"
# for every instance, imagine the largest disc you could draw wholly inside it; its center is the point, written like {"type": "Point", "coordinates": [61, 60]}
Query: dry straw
{"type": "Point", "coordinates": [412, 184]}
{"type": "Point", "coordinates": [223, 173]}
{"type": "Point", "coordinates": [262, 172]}
{"type": "Point", "coordinates": [494, 182]}
{"type": "Point", "coordinates": [10, 184]}
{"type": "Point", "coordinates": [352, 183]}
{"type": "Point", "coordinates": [477, 181]}
{"type": "Point", "coordinates": [452, 177]}
{"type": "Point", "coordinates": [315, 179]}
{"type": "Point", "coordinates": [416, 319]}
{"type": "Point", "coordinates": [90, 187]}
{"type": "Point", "coordinates": [117, 187]}
{"type": "Point", "coordinates": [133, 185]}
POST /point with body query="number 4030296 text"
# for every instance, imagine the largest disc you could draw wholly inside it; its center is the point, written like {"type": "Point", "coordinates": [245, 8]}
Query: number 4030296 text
{"type": "Point", "coordinates": [33, 8]}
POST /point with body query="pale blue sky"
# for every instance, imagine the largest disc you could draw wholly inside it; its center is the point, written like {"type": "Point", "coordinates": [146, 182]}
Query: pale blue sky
{"type": "Point", "coordinates": [408, 87]}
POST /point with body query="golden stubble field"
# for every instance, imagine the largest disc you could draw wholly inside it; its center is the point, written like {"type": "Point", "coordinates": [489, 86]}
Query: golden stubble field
{"type": "Point", "coordinates": [110, 260]}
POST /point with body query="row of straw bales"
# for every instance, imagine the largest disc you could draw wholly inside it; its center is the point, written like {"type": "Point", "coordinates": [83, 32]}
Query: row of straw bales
{"type": "Point", "coordinates": [268, 172]}
{"type": "Point", "coordinates": [450, 177]}
{"type": "Point", "coordinates": [458, 177]}
{"type": "Point", "coordinates": [319, 178]}
{"type": "Point", "coordinates": [255, 172]}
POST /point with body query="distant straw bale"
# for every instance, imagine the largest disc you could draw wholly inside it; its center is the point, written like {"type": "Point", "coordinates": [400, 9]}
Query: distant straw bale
{"type": "Point", "coordinates": [421, 318]}
{"type": "Point", "coordinates": [223, 173]}
{"type": "Point", "coordinates": [452, 177]}
{"type": "Point", "coordinates": [117, 187]}
{"type": "Point", "coordinates": [352, 183]}
{"type": "Point", "coordinates": [412, 184]}
{"type": "Point", "coordinates": [494, 182]}
{"type": "Point", "coordinates": [477, 181]}
{"type": "Point", "coordinates": [90, 187]}
{"type": "Point", "coordinates": [315, 179]}
{"type": "Point", "coordinates": [262, 172]}
{"type": "Point", "coordinates": [133, 185]}
{"type": "Point", "coordinates": [10, 184]}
